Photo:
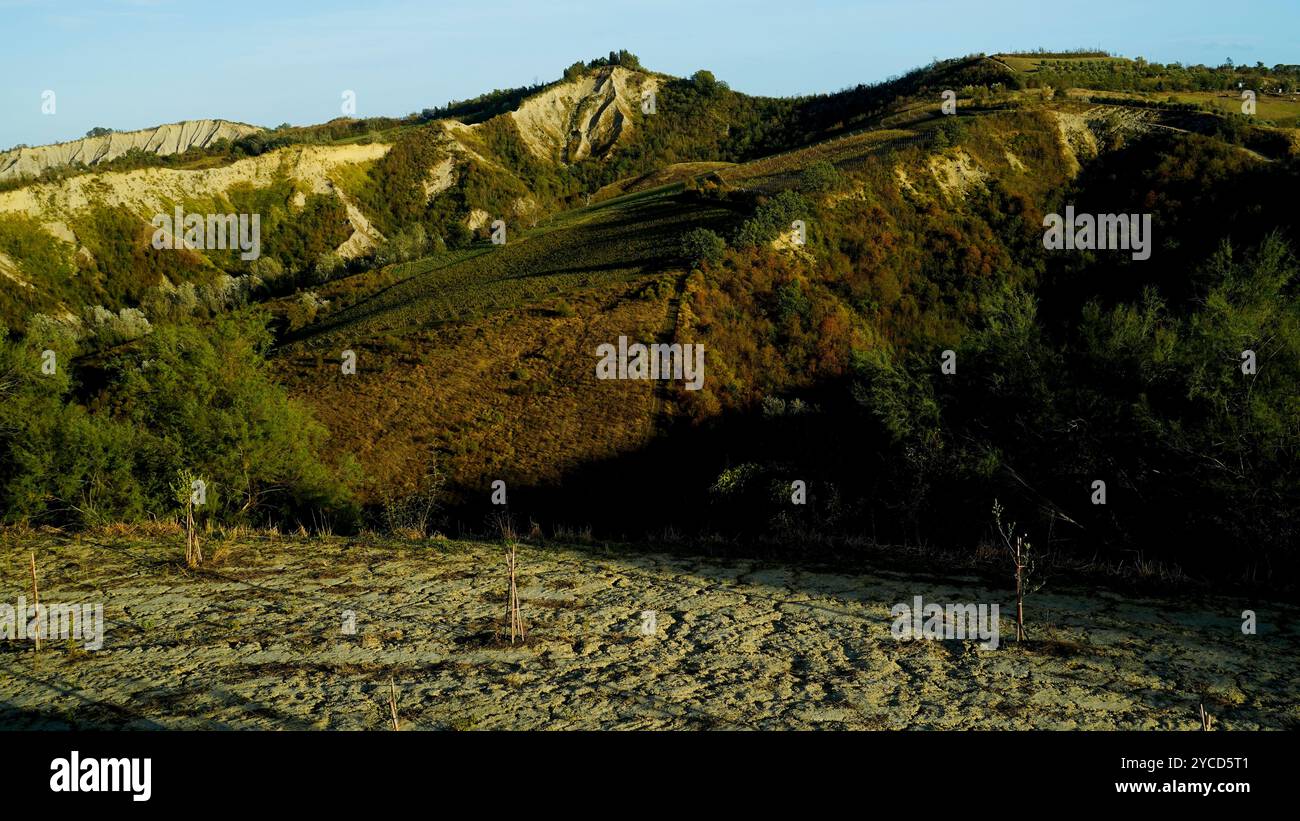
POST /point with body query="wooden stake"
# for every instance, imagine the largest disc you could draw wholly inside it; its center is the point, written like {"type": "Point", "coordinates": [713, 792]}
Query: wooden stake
{"type": "Point", "coordinates": [512, 599]}
{"type": "Point", "coordinates": [193, 551]}
{"type": "Point", "coordinates": [1020, 592]}
{"type": "Point", "coordinates": [392, 702]}
{"type": "Point", "coordinates": [36, 603]}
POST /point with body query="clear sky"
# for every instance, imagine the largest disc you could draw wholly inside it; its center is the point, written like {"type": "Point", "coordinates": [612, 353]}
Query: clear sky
{"type": "Point", "coordinates": [129, 64]}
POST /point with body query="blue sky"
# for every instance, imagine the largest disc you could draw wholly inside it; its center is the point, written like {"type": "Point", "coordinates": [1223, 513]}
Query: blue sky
{"type": "Point", "coordinates": [130, 64]}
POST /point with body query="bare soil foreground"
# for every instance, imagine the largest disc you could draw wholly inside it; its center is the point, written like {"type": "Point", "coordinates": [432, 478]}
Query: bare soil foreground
{"type": "Point", "coordinates": [257, 641]}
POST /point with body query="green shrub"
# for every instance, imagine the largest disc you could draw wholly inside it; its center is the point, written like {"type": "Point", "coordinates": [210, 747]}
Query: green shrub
{"type": "Point", "coordinates": [820, 178]}
{"type": "Point", "coordinates": [701, 246]}
{"type": "Point", "coordinates": [772, 218]}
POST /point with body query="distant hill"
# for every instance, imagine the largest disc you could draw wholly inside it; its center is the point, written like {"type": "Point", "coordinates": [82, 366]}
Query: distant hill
{"type": "Point", "coordinates": [175, 138]}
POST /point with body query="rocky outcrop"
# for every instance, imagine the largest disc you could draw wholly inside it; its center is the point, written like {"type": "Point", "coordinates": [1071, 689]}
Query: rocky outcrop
{"type": "Point", "coordinates": [582, 118]}
{"type": "Point", "coordinates": [176, 138]}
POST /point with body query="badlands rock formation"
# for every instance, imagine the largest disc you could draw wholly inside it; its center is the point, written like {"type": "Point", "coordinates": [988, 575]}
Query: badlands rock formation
{"type": "Point", "coordinates": [582, 118]}
{"type": "Point", "coordinates": [175, 138]}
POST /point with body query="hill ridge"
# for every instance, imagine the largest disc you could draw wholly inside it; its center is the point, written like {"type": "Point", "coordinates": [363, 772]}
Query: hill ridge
{"type": "Point", "coordinates": [163, 140]}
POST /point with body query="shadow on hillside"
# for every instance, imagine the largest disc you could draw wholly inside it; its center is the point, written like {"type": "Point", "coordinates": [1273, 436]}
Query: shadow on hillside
{"type": "Point", "coordinates": [679, 482]}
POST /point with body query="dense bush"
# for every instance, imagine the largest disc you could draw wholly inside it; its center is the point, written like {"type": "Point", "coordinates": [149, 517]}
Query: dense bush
{"type": "Point", "coordinates": [1152, 402]}
{"type": "Point", "coordinates": [189, 398]}
{"type": "Point", "coordinates": [397, 196]}
{"type": "Point", "coordinates": [700, 246]}
{"type": "Point", "coordinates": [126, 264]}
{"type": "Point", "coordinates": [42, 261]}
{"type": "Point", "coordinates": [772, 218]}
{"type": "Point", "coordinates": [820, 178]}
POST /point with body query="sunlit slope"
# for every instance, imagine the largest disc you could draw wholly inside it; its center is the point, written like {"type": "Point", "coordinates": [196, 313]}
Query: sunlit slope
{"type": "Point", "coordinates": [617, 242]}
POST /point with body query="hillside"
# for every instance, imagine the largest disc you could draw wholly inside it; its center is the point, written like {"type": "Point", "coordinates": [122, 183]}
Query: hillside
{"type": "Point", "coordinates": [826, 251]}
{"type": "Point", "coordinates": [456, 173]}
{"type": "Point", "coordinates": [581, 136]}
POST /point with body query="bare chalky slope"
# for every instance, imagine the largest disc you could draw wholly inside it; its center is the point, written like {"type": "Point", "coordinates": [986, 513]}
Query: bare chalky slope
{"type": "Point", "coordinates": [258, 642]}
{"type": "Point", "coordinates": [174, 138]}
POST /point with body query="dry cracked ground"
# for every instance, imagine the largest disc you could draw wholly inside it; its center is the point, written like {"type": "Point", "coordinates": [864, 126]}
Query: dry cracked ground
{"type": "Point", "coordinates": [257, 641]}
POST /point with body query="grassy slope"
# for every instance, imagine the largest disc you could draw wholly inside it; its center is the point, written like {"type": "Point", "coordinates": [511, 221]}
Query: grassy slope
{"type": "Point", "coordinates": [618, 241]}
{"type": "Point", "coordinates": [489, 357]}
